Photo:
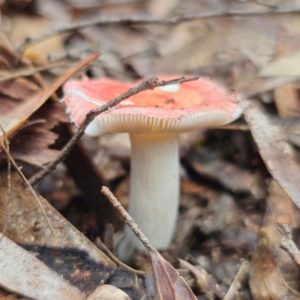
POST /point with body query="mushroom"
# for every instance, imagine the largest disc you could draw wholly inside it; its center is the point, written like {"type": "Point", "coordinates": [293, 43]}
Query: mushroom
{"type": "Point", "coordinates": [153, 119]}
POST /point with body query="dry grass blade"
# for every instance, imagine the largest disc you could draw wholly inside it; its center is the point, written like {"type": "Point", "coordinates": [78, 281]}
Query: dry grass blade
{"type": "Point", "coordinates": [168, 283]}
{"type": "Point", "coordinates": [274, 151]}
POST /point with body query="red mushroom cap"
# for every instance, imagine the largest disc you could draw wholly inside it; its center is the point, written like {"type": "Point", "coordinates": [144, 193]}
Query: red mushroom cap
{"type": "Point", "coordinates": [169, 109]}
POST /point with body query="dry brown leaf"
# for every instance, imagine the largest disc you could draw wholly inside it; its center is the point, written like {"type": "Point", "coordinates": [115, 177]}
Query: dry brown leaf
{"type": "Point", "coordinates": [273, 273]}
{"type": "Point", "coordinates": [197, 44]}
{"type": "Point", "coordinates": [19, 88]}
{"type": "Point", "coordinates": [22, 273]}
{"type": "Point", "coordinates": [108, 292]}
{"type": "Point", "coordinates": [34, 26]}
{"type": "Point", "coordinates": [159, 8]}
{"type": "Point", "coordinates": [287, 99]}
{"type": "Point", "coordinates": [231, 176]}
{"type": "Point", "coordinates": [22, 112]}
{"type": "Point", "coordinates": [266, 282]}
{"type": "Point", "coordinates": [53, 112]}
{"type": "Point", "coordinates": [31, 145]}
{"type": "Point", "coordinates": [166, 281]}
{"type": "Point", "coordinates": [26, 224]}
{"type": "Point", "coordinates": [274, 150]}
{"type": "Point", "coordinates": [253, 85]}
{"type": "Point", "coordinates": [283, 66]}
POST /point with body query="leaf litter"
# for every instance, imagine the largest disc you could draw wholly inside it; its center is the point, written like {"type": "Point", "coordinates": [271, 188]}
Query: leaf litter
{"type": "Point", "coordinates": [236, 184]}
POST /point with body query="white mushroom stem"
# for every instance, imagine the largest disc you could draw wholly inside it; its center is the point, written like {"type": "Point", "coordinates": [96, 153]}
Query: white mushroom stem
{"type": "Point", "coordinates": [154, 190]}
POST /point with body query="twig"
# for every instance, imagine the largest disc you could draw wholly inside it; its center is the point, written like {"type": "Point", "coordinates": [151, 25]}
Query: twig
{"type": "Point", "coordinates": [148, 84]}
{"type": "Point", "coordinates": [103, 247]}
{"type": "Point", "coordinates": [129, 221]}
{"type": "Point", "coordinates": [152, 20]}
{"type": "Point", "coordinates": [29, 185]}
{"type": "Point", "coordinates": [287, 243]}
{"type": "Point", "coordinates": [239, 281]}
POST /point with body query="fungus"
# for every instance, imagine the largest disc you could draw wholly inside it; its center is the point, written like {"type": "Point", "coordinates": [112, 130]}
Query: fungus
{"type": "Point", "coordinates": [153, 119]}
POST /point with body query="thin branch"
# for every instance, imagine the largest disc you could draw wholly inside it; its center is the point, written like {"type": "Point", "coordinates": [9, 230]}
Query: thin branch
{"type": "Point", "coordinates": [287, 242]}
{"type": "Point", "coordinates": [148, 84]}
{"type": "Point", "coordinates": [152, 20]}
{"type": "Point", "coordinates": [128, 219]}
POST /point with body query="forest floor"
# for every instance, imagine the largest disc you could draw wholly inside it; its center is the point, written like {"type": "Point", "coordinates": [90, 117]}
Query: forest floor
{"type": "Point", "coordinates": [238, 224]}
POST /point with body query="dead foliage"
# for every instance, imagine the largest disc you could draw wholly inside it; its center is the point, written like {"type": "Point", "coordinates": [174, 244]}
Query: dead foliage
{"type": "Point", "coordinates": [238, 225]}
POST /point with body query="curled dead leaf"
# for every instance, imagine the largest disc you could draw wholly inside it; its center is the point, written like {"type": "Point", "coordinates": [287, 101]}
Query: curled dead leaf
{"type": "Point", "coordinates": [274, 150]}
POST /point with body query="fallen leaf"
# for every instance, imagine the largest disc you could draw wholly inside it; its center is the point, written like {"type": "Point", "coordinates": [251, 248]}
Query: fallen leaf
{"type": "Point", "coordinates": [22, 112]}
{"type": "Point", "coordinates": [35, 25]}
{"type": "Point", "coordinates": [22, 273]}
{"type": "Point", "coordinates": [31, 142]}
{"type": "Point", "coordinates": [287, 99]}
{"type": "Point", "coordinates": [31, 145]}
{"type": "Point", "coordinates": [283, 66]}
{"type": "Point", "coordinates": [108, 292]}
{"type": "Point", "coordinates": [273, 273]}
{"type": "Point", "coordinates": [19, 88]}
{"type": "Point", "coordinates": [26, 224]}
{"type": "Point", "coordinates": [161, 9]}
{"type": "Point", "coordinates": [231, 176]}
{"type": "Point", "coordinates": [274, 150]}
{"type": "Point", "coordinates": [170, 285]}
